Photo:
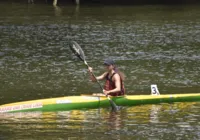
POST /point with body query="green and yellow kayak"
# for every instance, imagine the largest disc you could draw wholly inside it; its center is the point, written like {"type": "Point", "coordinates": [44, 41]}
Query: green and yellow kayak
{"type": "Point", "coordinates": [91, 101]}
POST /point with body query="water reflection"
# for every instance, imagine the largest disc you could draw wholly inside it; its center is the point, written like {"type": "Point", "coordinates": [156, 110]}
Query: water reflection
{"type": "Point", "coordinates": [115, 120]}
{"type": "Point", "coordinates": [154, 112]}
{"type": "Point", "coordinates": [140, 121]}
{"type": "Point", "coordinates": [58, 10]}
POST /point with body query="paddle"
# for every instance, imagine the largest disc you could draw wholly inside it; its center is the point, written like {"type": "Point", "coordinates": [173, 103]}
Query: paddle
{"type": "Point", "coordinates": [79, 52]}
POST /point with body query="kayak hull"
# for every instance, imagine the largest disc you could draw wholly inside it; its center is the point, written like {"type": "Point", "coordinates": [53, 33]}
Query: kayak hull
{"type": "Point", "coordinates": [90, 101]}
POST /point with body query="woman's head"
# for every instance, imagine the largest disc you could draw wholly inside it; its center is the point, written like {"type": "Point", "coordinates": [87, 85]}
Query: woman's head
{"type": "Point", "coordinates": [109, 64]}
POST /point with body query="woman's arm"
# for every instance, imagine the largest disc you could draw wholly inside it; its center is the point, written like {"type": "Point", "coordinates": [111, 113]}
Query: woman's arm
{"type": "Point", "coordinates": [101, 77]}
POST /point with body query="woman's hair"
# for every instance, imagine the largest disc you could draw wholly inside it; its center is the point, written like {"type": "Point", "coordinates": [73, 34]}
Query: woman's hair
{"type": "Point", "coordinates": [121, 74]}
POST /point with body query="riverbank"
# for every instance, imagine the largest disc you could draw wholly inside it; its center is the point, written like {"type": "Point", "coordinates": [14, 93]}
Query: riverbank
{"type": "Point", "coordinates": [107, 2]}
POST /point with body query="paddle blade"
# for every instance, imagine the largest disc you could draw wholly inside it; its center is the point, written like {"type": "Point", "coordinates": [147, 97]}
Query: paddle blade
{"type": "Point", "coordinates": [77, 50]}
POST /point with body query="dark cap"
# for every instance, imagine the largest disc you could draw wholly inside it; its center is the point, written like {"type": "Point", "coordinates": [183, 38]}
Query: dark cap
{"type": "Point", "coordinates": [109, 62]}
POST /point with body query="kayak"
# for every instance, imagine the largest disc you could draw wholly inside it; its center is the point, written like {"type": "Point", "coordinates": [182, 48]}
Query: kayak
{"type": "Point", "coordinates": [94, 101]}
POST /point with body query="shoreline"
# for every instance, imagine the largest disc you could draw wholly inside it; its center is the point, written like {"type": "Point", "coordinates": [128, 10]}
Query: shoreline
{"type": "Point", "coordinates": [105, 2]}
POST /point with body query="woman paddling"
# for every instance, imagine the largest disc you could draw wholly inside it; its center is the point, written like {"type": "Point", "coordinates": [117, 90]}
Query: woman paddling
{"type": "Point", "coordinates": [114, 84]}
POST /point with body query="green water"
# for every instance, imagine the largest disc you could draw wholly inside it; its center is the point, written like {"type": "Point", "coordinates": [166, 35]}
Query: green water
{"type": "Point", "coordinates": [151, 45]}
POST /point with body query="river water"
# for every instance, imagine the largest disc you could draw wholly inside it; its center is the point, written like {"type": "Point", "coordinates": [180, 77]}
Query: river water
{"type": "Point", "coordinates": [150, 44]}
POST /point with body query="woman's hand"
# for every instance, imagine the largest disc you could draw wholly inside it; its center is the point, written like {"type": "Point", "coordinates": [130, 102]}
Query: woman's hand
{"type": "Point", "coordinates": [92, 78]}
{"type": "Point", "coordinates": [106, 92]}
{"type": "Point", "coordinates": [90, 69]}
